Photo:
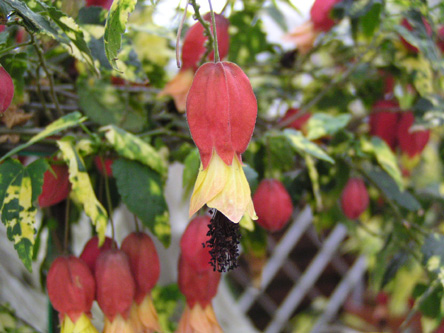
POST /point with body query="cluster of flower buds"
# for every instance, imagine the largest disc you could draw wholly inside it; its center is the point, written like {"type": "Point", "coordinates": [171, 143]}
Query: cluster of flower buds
{"type": "Point", "coordinates": [197, 280]}
{"type": "Point", "coordinates": [354, 199]}
{"type": "Point", "coordinates": [119, 279]}
{"type": "Point", "coordinates": [6, 90]}
{"type": "Point", "coordinates": [394, 127]}
{"type": "Point", "coordinates": [192, 51]}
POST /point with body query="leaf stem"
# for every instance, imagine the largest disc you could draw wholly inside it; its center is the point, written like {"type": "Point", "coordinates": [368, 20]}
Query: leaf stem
{"type": "Point", "coordinates": [136, 223]}
{"type": "Point", "coordinates": [207, 29]}
{"type": "Point", "coordinates": [179, 34]}
{"type": "Point", "coordinates": [108, 197]}
{"type": "Point", "coordinates": [216, 46]}
{"type": "Point", "coordinates": [66, 235]}
{"type": "Point", "coordinates": [13, 47]}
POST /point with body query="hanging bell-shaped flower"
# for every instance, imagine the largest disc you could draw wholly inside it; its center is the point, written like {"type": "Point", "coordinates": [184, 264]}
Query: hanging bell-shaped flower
{"type": "Point", "coordinates": [221, 114]}
{"type": "Point", "coordinates": [56, 186]}
{"type": "Point", "coordinates": [6, 89]}
{"type": "Point", "coordinates": [354, 200]}
{"type": "Point", "coordinates": [71, 290]}
{"type": "Point", "coordinates": [92, 250]}
{"type": "Point", "coordinates": [384, 121]}
{"type": "Point", "coordinates": [412, 143]}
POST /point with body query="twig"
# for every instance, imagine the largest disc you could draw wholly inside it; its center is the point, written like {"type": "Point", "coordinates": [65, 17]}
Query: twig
{"type": "Point", "coordinates": [179, 33]}
{"type": "Point", "coordinates": [13, 47]}
{"type": "Point", "coordinates": [108, 197]}
{"type": "Point", "coordinates": [215, 45]}
{"type": "Point", "coordinates": [207, 29]}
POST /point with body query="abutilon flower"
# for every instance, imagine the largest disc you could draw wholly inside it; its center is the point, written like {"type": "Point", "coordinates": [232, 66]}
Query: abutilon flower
{"type": "Point", "coordinates": [354, 199]}
{"type": "Point", "coordinates": [105, 166]}
{"type": "Point", "coordinates": [384, 121]}
{"type": "Point", "coordinates": [145, 266]}
{"type": "Point", "coordinates": [192, 51]}
{"type": "Point", "coordinates": [56, 187]}
{"type": "Point", "coordinates": [320, 21]}
{"type": "Point", "coordinates": [92, 250]}
{"type": "Point", "coordinates": [273, 205]}
{"type": "Point", "coordinates": [115, 290]}
{"type": "Point", "coordinates": [197, 280]}
{"type": "Point", "coordinates": [406, 24]}
{"type": "Point", "coordinates": [411, 143]}
{"type": "Point", "coordinates": [6, 89]}
{"type": "Point", "coordinates": [71, 290]}
{"type": "Point", "coordinates": [440, 42]}
{"type": "Point", "coordinates": [106, 4]}
{"type": "Point", "coordinates": [298, 124]}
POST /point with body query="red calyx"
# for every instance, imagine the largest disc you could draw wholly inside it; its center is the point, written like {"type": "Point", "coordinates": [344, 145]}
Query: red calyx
{"type": "Point", "coordinates": [299, 123]}
{"type": "Point", "coordinates": [71, 287]}
{"type": "Point", "coordinates": [92, 250]}
{"type": "Point", "coordinates": [55, 188]}
{"type": "Point", "coordinates": [272, 204]}
{"type": "Point", "coordinates": [198, 287]}
{"type": "Point", "coordinates": [320, 14]}
{"type": "Point", "coordinates": [354, 200]}
{"type": "Point", "coordinates": [383, 121]}
{"type": "Point", "coordinates": [105, 166]}
{"type": "Point", "coordinates": [194, 44]}
{"type": "Point", "coordinates": [411, 143]}
{"type": "Point", "coordinates": [144, 262]}
{"type": "Point", "coordinates": [406, 24]}
{"type": "Point", "coordinates": [192, 244]}
{"type": "Point", "coordinates": [106, 4]}
{"type": "Point", "coordinates": [221, 111]}
{"type": "Point", "coordinates": [6, 90]}
{"type": "Point", "coordinates": [115, 283]}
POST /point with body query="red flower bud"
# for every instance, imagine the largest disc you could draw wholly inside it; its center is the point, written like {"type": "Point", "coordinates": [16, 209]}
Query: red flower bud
{"type": "Point", "coordinates": [6, 90]}
{"type": "Point", "coordinates": [144, 262]}
{"type": "Point", "coordinates": [71, 287]}
{"type": "Point", "coordinates": [198, 287]}
{"type": "Point", "coordinates": [441, 39]}
{"type": "Point", "coordinates": [221, 111]}
{"type": "Point", "coordinates": [411, 143]}
{"type": "Point", "coordinates": [192, 244]}
{"type": "Point", "coordinates": [194, 44]}
{"type": "Point", "coordinates": [55, 188]}
{"type": "Point", "coordinates": [2, 27]}
{"type": "Point", "coordinates": [105, 166]}
{"type": "Point", "coordinates": [272, 204]}
{"type": "Point", "coordinates": [406, 24]}
{"type": "Point", "coordinates": [115, 284]}
{"type": "Point", "coordinates": [354, 200]}
{"type": "Point", "coordinates": [106, 4]}
{"type": "Point", "coordinates": [92, 250]}
{"type": "Point", "coordinates": [299, 123]}
{"type": "Point", "coordinates": [320, 14]}
{"type": "Point", "coordinates": [384, 120]}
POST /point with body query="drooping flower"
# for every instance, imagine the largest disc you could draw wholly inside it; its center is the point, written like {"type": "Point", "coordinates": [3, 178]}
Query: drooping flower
{"type": "Point", "coordinates": [71, 290]}
{"type": "Point", "coordinates": [320, 21]}
{"type": "Point", "coordinates": [91, 251]}
{"type": "Point", "coordinates": [406, 24]}
{"type": "Point", "coordinates": [273, 205]}
{"type": "Point", "coordinates": [106, 4]}
{"type": "Point", "coordinates": [221, 114]}
{"type": "Point", "coordinates": [440, 41]}
{"type": "Point", "coordinates": [192, 51]}
{"type": "Point", "coordinates": [105, 166]}
{"type": "Point", "coordinates": [298, 124]}
{"type": "Point", "coordinates": [6, 89]}
{"type": "Point", "coordinates": [115, 290]}
{"type": "Point", "coordinates": [56, 185]}
{"type": "Point", "coordinates": [145, 266]}
{"type": "Point", "coordinates": [354, 199]}
{"type": "Point", "coordinates": [384, 121]}
{"type": "Point", "coordinates": [411, 143]}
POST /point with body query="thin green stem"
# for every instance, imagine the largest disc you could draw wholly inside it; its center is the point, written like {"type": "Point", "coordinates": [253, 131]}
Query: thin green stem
{"type": "Point", "coordinates": [215, 45]}
{"type": "Point", "coordinates": [13, 47]}
{"type": "Point", "coordinates": [136, 223]}
{"type": "Point", "coordinates": [179, 34]}
{"type": "Point", "coordinates": [108, 197]}
{"type": "Point", "coordinates": [66, 235]}
{"type": "Point", "coordinates": [207, 30]}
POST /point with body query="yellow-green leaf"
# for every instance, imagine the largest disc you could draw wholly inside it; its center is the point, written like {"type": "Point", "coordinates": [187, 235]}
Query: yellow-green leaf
{"type": "Point", "coordinates": [304, 146]}
{"type": "Point", "coordinates": [314, 177]}
{"type": "Point", "coordinates": [322, 124]}
{"type": "Point", "coordinates": [133, 148]}
{"type": "Point", "coordinates": [82, 188]}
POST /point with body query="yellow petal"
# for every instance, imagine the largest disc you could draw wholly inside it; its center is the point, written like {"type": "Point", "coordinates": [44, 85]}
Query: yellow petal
{"type": "Point", "coordinates": [148, 315]}
{"type": "Point", "coordinates": [82, 325]}
{"type": "Point", "coordinates": [225, 188]}
{"type": "Point", "coordinates": [198, 320]}
{"type": "Point", "coordinates": [178, 88]}
{"type": "Point", "coordinates": [118, 325]}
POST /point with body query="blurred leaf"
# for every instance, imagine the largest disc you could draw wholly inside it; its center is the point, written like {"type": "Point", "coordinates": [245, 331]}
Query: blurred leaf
{"type": "Point", "coordinates": [190, 171]}
{"type": "Point", "coordinates": [371, 19]}
{"type": "Point", "coordinates": [385, 157]}
{"type": "Point", "coordinates": [304, 146]}
{"type": "Point", "coordinates": [70, 120]}
{"type": "Point", "coordinates": [252, 177]}
{"type": "Point", "coordinates": [314, 177]}
{"type": "Point", "coordinates": [115, 26]}
{"type": "Point", "coordinates": [391, 190]}
{"type": "Point", "coordinates": [279, 154]}
{"type": "Point", "coordinates": [322, 124]}
{"type": "Point", "coordinates": [132, 147]}
{"type": "Point", "coordinates": [141, 190]}
{"type": "Point", "coordinates": [91, 15]}
{"type": "Point", "coordinates": [254, 241]}
{"type": "Point", "coordinates": [398, 260]}
{"type": "Point", "coordinates": [433, 254]}
{"type": "Point", "coordinates": [166, 299]}
{"type": "Point", "coordinates": [82, 188]}
{"type": "Point", "coordinates": [431, 304]}
{"type": "Point", "coordinates": [273, 11]}
{"type": "Point", "coordinates": [19, 187]}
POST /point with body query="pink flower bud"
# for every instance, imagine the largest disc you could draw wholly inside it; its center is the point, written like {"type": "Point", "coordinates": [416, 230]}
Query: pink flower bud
{"type": "Point", "coordinates": [354, 199]}
{"type": "Point", "coordinates": [384, 121]}
{"type": "Point", "coordinates": [411, 143]}
{"type": "Point", "coordinates": [320, 14]}
{"type": "Point", "coordinates": [92, 250]}
{"type": "Point", "coordinates": [105, 166]}
{"type": "Point", "coordinates": [272, 204]}
{"type": "Point", "coordinates": [299, 123]}
{"type": "Point", "coordinates": [71, 287]}
{"type": "Point", "coordinates": [56, 187]}
{"type": "Point", "coordinates": [406, 24]}
{"type": "Point", "coordinates": [106, 4]}
{"type": "Point", "coordinates": [115, 284]}
{"type": "Point", "coordinates": [6, 90]}
{"type": "Point", "coordinates": [144, 262]}
{"type": "Point", "coordinates": [441, 39]}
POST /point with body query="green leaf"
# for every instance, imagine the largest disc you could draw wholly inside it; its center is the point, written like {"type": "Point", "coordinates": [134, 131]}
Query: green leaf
{"type": "Point", "coordinates": [254, 241]}
{"type": "Point", "coordinates": [115, 26]}
{"type": "Point", "coordinates": [398, 260]}
{"type": "Point", "coordinates": [82, 188]}
{"type": "Point", "coordinates": [252, 177]}
{"type": "Point", "coordinates": [190, 171]}
{"type": "Point", "coordinates": [314, 178]}
{"type": "Point", "coordinates": [279, 154]}
{"type": "Point", "coordinates": [65, 122]}
{"type": "Point", "coordinates": [141, 190]}
{"type": "Point", "coordinates": [372, 19]}
{"type": "Point", "coordinates": [391, 190]}
{"type": "Point", "coordinates": [385, 157]}
{"type": "Point", "coordinates": [165, 299]}
{"type": "Point", "coordinates": [304, 146]}
{"type": "Point", "coordinates": [322, 124]}
{"type": "Point", "coordinates": [431, 304]}
{"type": "Point", "coordinates": [134, 148]}
{"type": "Point", "coordinates": [19, 187]}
